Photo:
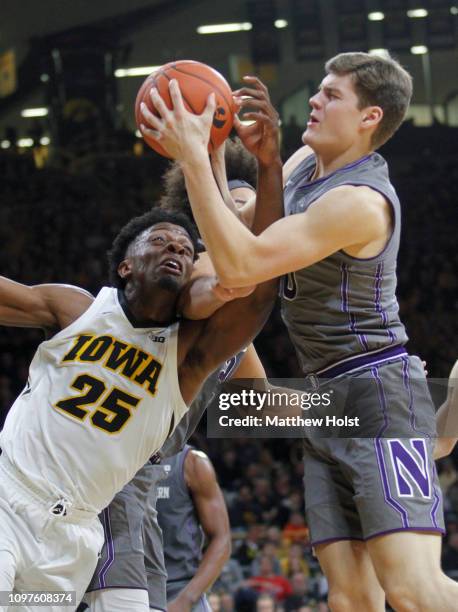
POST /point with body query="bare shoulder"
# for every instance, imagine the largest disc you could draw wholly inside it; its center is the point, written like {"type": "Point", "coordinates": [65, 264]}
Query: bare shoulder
{"type": "Point", "coordinates": [198, 469]}
{"type": "Point", "coordinates": [292, 162]}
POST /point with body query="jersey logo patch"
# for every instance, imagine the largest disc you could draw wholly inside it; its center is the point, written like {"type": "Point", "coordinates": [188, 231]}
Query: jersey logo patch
{"type": "Point", "coordinates": [160, 339]}
{"type": "Point", "coordinates": [410, 466]}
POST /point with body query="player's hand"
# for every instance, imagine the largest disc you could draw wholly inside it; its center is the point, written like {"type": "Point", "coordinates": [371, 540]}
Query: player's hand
{"type": "Point", "coordinates": [262, 137]}
{"type": "Point", "coordinates": [181, 133]}
{"type": "Point", "coordinates": [179, 604]}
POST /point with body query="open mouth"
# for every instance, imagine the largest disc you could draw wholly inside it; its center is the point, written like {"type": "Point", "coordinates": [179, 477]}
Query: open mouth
{"type": "Point", "coordinates": [312, 120]}
{"type": "Point", "coordinates": [172, 266]}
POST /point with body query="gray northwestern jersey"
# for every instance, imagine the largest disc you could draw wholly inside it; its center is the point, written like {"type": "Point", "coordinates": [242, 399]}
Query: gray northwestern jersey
{"type": "Point", "coordinates": [182, 533]}
{"type": "Point", "coordinates": [342, 306]}
{"type": "Point", "coordinates": [132, 553]}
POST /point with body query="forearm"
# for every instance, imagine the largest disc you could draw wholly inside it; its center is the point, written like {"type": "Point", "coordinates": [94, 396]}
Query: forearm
{"type": "Point", "coordinates": [198, 301]}
{"type": "Point", "coordinates": [228, 242]}
{"type": "Point", "coordinates": [269, 198]}
{"type": "Point", "coordinates": [219, 172]}
{"type": "Point", "coordinates": [210, 567]}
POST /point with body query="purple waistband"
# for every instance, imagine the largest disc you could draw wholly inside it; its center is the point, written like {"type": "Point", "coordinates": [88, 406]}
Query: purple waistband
{"type": "Point", "coordinates": [362, 361]}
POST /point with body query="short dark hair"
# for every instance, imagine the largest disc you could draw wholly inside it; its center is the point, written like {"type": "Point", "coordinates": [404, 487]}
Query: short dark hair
{"type": "Point", "coordinates": [240, 165]}
{"type": "Point", "coordinates": [378, 81]}
{"type": "Point", "coordinates": [137, 226]}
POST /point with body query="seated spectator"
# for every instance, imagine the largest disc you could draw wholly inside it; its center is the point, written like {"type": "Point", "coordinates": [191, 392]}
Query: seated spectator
{"type": "Point", "coordinates": [230, 578]}
{"type": "Point", "coordinates": [250, 548]}
{"type": "Point", "coordinates": [214, 601]}
{"type": "Point", "coordinates": [300, 596]}
{"type": "Point", "coordinates": [227, 602]}
{"type": "Point", "coordinates": [266, 603]}
{"type": "Point", "coordinates": [244, 511]}
{"type": "Point", "coordinates": [295, 561]}
{"type": "Point", "coordinates": [269, 550]}
{"type": "Point", "coordinates": [269, 582]}
{"type": "Point", "coordinates": [295, 529]}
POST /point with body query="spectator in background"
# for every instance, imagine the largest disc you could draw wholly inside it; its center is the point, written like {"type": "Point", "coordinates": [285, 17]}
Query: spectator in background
{"type": "Point", "coordinates": [300, 595]}
{"type": "Point", "coordinates": [214, 601]}
{"type": "Point", "coordinates": [450, 557]}
{"type": "Point", "coordinates": [295, 561]}
{"type": "Point", "coordinates": [268, 550]}
{"type": "Point", "coordinates": [266, 603]}
{"type": "Point", "coordinates": [227, 602]}
{"type": "Point", "coordinates": [269, 582]}
{"type": "Point", "coordinates": [295, 529]}
{"type": "Point", "coordinates": [250, 547]}
{"type": "Point", "coordinates": [243, 510]}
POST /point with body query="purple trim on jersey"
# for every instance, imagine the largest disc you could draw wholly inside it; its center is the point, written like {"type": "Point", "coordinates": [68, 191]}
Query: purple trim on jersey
{"type": "Point", "coordinates": [363, 360]}
{"type": "Point", "coordinates": [437, 499]}
{"type": "Point", "coordinates": [379, 451]}
{"type": "Point", "coordinates": [397, 529]}
{"type": "Point", "coordinates": [350, 166]}
{"type": "Point", "coordinates": [406, 380]}
{"type": "Point", "coordinates": [345, 307]}
{"type": "Point", "coordinates": [378, 300]}
{"type": "Point", "coordinates": [110, 547]}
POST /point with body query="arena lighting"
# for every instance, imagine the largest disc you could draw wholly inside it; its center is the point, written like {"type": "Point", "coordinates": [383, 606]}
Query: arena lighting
{"type": "Point", "coordinates": [5, 144]}
{"type": "Point", "coordinates": [280, 23]}
{"type": "Point", "coordinates": [376, 16]}
{"type": "Point", "coordinates": [221, 28]}
{"type": "Point", "coordinates": [34, 112]}
{"type": "Point", "coordinates": [134, 72]}
{"type": "Point", "coordinates": [25, 142]}
{"type": "Point", "coordinates": [380, 52]}
{"type": "Point", "coordinates": [454, 10]}
{"type": "Point", "coordinates": [44, 78]}
{"type": "Point", "coordinates": [45, 141]}
{"type": "Point", "coordinates": [418, 50]}
{"type": "Point", "coordinates": [417, 13]}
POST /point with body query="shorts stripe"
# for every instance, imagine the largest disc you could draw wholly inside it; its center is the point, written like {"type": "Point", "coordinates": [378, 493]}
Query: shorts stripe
{"type": "Point", "coordinates": [406, 379]}
{"type": "Point", "coordinates": [379, 451]}
{"type": "Point", "coordinates": [110, 547]}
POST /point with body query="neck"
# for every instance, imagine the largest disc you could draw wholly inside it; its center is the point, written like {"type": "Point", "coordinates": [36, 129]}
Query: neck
{"type": "Point", "coordinates": [326, 163]}
{"type": "Point", "coordinates": [154, 304]}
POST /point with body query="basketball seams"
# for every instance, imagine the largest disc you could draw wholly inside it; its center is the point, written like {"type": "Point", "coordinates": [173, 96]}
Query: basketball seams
{"type": "Point", "coordinates": [210, 83]}
{"type": "Point", "coordinates": [187, 101]}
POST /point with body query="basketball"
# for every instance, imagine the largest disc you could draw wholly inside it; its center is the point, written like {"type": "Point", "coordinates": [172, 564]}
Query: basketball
{"type": "Point", "coordinates": [196, 81]}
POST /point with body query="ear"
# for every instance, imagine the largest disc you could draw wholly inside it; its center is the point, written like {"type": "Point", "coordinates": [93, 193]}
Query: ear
{"type": "Point", "coordinates": [125, 268]}
{"type": "Point", "coordinates": [372, 115]}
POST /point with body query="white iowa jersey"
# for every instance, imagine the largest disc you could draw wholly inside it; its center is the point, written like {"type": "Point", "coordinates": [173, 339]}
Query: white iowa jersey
{"type": "Point", "coordinates": [99, 402]}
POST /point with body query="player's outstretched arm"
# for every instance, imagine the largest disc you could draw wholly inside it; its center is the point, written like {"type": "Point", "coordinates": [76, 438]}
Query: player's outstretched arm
{"type": "Point", "coordinates": [45, 306]}
{"type": "Point", "coordinates": [447, 418]}
{"type": "Point", "coordinates": [212, 514]}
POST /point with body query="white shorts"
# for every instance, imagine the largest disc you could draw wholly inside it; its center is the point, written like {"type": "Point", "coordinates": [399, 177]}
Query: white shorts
{"type": "Point", "coordinates": [40, 550]}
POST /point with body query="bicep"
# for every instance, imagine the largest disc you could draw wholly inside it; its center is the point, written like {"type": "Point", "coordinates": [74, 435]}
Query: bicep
{"type": "Point", "coordinates": [21, 305]}
{"type": "Point", "coordinates": [338, 220]}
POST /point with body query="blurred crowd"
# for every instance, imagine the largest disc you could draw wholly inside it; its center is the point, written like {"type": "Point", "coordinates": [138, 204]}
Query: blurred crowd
{"type": "Point", "coordinates": [57, 222]}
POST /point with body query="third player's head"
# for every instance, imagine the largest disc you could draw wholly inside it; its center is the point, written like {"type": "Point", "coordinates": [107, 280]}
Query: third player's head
{"type": "Point", "coordinates": [155, 250]}
{"type": "Point", "coordinates": [360, 103]}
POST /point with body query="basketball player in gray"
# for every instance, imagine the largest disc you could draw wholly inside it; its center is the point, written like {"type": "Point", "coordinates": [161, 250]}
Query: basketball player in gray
{"type": "Point", "coordinates": [191, 508]}
{"type": "Point", "coordinates": [373, 503]}
{"type": "Point", "coordinates": [131, 569]}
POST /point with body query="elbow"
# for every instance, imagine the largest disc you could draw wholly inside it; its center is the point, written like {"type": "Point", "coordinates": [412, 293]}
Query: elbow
{"type": "Point", "coordinates": [233, 277]}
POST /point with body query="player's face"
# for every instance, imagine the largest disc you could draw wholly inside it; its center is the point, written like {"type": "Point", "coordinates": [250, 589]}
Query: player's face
{"type": "Point", "coordinates": [163, 254]}
{"type": "Point", "coordinates": [335, 119]}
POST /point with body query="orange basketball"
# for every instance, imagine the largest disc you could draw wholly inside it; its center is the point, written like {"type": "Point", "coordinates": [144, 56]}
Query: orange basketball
{"type": "Point", "coordinates": [196, 82]}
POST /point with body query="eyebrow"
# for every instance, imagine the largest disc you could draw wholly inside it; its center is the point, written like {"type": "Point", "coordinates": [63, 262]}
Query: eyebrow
{"type": "Point", "coordinates": [329, 88]}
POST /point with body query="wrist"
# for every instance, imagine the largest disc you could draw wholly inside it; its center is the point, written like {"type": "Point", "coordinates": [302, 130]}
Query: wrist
{"type": "Point", "coordinates": [198, 160]}
{"type": "Point", "coordinates": [274, 162]}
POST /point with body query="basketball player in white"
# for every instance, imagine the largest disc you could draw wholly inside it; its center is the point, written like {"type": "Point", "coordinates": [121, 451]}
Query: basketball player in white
{"type": "Point", "coordinates": [105, 392]}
